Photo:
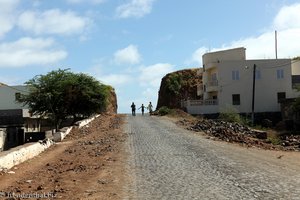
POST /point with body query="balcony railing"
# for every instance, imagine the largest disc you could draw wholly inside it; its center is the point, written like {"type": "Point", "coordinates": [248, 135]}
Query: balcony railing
{"type": "Point", "coordinates": [212, 83]}
{"type": "Point", "coordinates": [200, 102]}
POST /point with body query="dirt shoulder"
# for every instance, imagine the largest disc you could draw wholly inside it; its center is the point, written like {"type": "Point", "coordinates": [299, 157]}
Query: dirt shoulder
{"type": "Point", "coordinates": [89, 164]}
{"type": "Point", "coordinates": [268, 139]}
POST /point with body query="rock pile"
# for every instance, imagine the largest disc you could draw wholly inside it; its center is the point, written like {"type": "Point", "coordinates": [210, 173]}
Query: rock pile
{"type": "Point", "coordinates": [235, 132]}
{"type": "Point", "coordinates": [227, 131]}
{"type": "Point", "coordinates": [292, 141]}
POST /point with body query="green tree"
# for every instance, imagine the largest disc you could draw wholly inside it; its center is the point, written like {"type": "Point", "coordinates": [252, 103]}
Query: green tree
{"type": "Point", "coordinates": [61, 93]}
{"type": "Point", "coordinates": [173, 84]}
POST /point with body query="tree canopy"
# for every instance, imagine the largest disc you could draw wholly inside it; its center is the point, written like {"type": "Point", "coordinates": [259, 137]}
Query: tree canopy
{"type": "Point", "coordinates": [62, 93]}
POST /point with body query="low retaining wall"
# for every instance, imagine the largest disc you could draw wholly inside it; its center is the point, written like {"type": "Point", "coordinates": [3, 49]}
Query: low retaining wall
{"type": "Point", "coordinates": [2, 139]}
{"type": "Point", "coordinates": [19, 154]}
{"type": "Point", "coordinates": [85, 121]}
{"type": "Point", "coordinates": [62, 133]}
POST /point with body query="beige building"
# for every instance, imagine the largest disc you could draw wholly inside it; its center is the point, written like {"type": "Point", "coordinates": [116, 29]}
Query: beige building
{"type": "Point", "coordinates": [228, 83]}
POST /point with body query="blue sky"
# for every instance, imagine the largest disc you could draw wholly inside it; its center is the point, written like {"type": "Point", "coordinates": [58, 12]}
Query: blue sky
{"type": "Point", "coordinates": [132, 44]}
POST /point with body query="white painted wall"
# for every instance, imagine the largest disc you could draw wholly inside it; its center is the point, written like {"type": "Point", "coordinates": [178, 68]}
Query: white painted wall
{"type": "Point", "coordinates": [2, 139]}
{"type": "Point", "coordinates": [232, 54]}
{"type": "Point", "coordinates": [207, 109]}
{"type": "Point", "coordinates": [224, 62]}
{"type": "Point", "coordinates": [19, 154]}
{"type": "Point", "coordinates": [7, 96]}
{"type": "Point", "coordinates": [266, 88]}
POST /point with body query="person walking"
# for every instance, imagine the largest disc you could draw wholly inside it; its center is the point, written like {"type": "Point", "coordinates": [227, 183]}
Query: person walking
{"type": "Point", "coordinates": [143, 108]}
{"type": "Point", "coordinates": [150, 108]}
{"type": "Point", "coordinates": [133, 109]}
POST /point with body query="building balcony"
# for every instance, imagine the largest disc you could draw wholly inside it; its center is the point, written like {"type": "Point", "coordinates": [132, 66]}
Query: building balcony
{"type": "Point", "coordinates": [209, 106]}
{"type": "Point", "coordinates": [210, 66]}
{"type": "Point", "coordinates": [207, 102]}
{"type": "Point", "coordinates": [212, 86]}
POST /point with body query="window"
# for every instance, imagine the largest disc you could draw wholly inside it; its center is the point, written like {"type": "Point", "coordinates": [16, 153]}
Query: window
{"type": "Point", "coordinates": [235, 75]}
{"type": "Point", "coordinates": [236, 99]}
{"type": "Point", "coordinates": [214, 77]}
{"type": "Point", "coordinates": [280, 96]}
{"type": "Point", "coordinates": [257, 75]}
{"type": "Point", "coordinates": [279, 73]}
{"type": "Point", "coordinates": [17, 96]}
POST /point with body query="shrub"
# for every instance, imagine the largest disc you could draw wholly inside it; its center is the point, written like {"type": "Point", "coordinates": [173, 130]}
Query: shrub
{"type": "Point", "coordinates": [164, 111]}
{"type": "Point", "coordinates": [230, 115]}
{"type": "Point", "coordinates": [173, 84]}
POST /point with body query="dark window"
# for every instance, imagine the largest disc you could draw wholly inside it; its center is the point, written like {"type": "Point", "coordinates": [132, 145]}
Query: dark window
{"type": "Point", "coordinates": [279, 73]}
{"type": "Point", "coordinates": [280, 96]}
{"type": "Point", "coordinates": [295, 81]}
{"type": "Point", "coordinates": [257, 75]}
{"type": "Point", "coordinates": [235, 75]}
{"type": "Point", "coordinates": [236, 99]}
{"type": "Point", "coordinates": [17, 96]}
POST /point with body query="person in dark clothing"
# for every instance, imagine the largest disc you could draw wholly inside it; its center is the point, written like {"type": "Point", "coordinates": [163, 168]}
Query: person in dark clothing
{"type": "Point", "coordinates": [143, 108]}
{"type": "Point", "coordinates": [133, 109]}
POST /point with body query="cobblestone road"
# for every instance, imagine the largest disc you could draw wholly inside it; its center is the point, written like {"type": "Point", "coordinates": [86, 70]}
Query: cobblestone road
{"type": "Point", "coordinates": [167, 162]}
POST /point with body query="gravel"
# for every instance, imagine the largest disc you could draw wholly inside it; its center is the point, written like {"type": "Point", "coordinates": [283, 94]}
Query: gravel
{"type": "Point", "coordinates": [168, 162]}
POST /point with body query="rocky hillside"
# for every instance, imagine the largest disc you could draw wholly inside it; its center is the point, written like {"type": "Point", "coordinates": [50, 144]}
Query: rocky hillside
{"type": "Point", "coordinates": [177, 86]}
{"type": "Point", "coordinates": [112, 105]}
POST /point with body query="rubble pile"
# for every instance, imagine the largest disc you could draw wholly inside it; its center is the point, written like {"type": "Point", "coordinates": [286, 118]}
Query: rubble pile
{"type": "Point", "coordinates": [229, 132]}
{"type": "Point", "coordinates": [291, 141]}
{"type": "Point", "coordinates": [226, 130]}
{"type": "Point", "coordinates": [235, 132]}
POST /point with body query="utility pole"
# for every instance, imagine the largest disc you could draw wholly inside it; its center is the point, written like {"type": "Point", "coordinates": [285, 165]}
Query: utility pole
{"type": "Point", "coordinates": [253, 93]}
{"type": "Point", "coordinates": [276, 44]}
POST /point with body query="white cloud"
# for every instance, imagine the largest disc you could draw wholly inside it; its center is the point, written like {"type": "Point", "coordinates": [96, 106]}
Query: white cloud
{"type": "Point", "coordinates": [150, 93]}
{"type": "Point", "coordinates": [152, 75]}
{"type": "Point", "coordinates": [128, 55]}
{"type": "Point", "coordinates": [86, 1]}
{"type": "Point", "coordinates": [112, 79]}
{"type": "Point", "coordinates": [29, 51]}
{"type": "Point", "coordinates": [53, 21]}
{"type": "Point", "coordinates": [287, 22]}
{"type": "Point", "coordinates": [197, 56]}
{"type": "Point", "coordinates": [115, 79]}
{"type": "Point", "coordinates": [288, 17]}
{"type": "Point", "coordinates": [7, 15]}
{"type": "Point", "coordinates": [134, 8]}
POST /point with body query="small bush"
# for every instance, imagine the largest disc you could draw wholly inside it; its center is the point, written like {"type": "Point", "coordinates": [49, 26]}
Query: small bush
{"type": "Point", "coordinates": [164, 111]}
{"type": "Point", "coordinates": [230, 115]}
{"type": "Point", "coordinates": [274, 141]}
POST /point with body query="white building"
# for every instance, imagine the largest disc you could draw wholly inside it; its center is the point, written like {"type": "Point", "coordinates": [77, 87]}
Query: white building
{"type": "Point", "coordinates": [13, 113]}
{"type": "Point", "coordinates": [228, 83]}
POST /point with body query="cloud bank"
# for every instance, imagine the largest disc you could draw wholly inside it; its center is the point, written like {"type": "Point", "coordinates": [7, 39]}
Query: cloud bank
{"type": "Point", "coordinates": [287, 24]}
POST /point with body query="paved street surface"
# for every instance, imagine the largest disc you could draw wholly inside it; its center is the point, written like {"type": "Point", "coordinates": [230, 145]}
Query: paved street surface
{"type": "Point", "coordinates": [168, 162]}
